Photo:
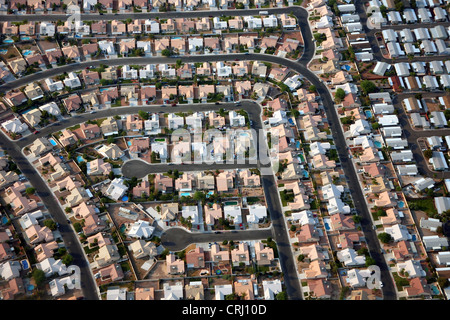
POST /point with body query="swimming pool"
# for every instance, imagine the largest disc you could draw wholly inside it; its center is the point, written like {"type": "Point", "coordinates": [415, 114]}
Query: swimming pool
{"type": "Point", "coordinates": [25, 264]}
{"type": "Point", "coordinates": [326, 223]}
{"type": "Point", "coordinates": [122, 228]}
{"type": "Point", "coordinates": [80, 159]}
{"type": "Point", "coordinates": [377, 144]}
{"type": "Point", "coordinates": [5, 220]}
{"type": "Point", "coordinates": [124, 198]}
{"type": "Point", "coordinates": [30, 287]}
{"type": "Point", "coordinates": [346, 67]}
{"type": "Point", "coordinates": [129, 143]}
{"type": "Point", "coordinates": [27, 52]}
{"type": "Point", "coordinates": [3, 51]}
{"type": "Point", "coordinates": [305, 174]}
{"type": "Point", "coordinates": [53, 142]}
{"type": "Point", "coordinates": [435, 290]}
{"type": "Point", "coordinates": [185, 194]}
{"type": "Point", "coordinates": [25, 38]}
{"type": "Point", "coordinates": [8, 41]}
{"type": "Point", "coordinates": [368, 113]}
{"type": "Point", "coordinates": [401, 204]}
{"type": "Point", "coordinates": [209, 194]}
{"type": "Point", "coordinates": [230, 203]}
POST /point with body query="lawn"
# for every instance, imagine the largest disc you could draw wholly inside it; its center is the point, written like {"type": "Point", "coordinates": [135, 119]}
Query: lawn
{"type": "Point", "coordinates": [399, 281]}
{"type": "Point", "coordinates": [426, 205]}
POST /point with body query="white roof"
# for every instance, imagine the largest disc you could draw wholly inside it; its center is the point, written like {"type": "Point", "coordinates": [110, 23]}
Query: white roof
{"type": "Point", "coordinates": [51, 266]}
{"type": "Point", "coordinates": [223, 290]}
{"type": "Point", "coordinates": [349, 257]}
{"type": "Point", "coordinates": [234, 212]}
{"type": "Point", "coordinates": [398, 232]}
{"type": "Point", "coordinates": [271, 288]}
{"type": "Point", "coordinates": [10, 269]}
{"type": "Point", "coordinates": [141, 229]}
{"type": "Point", "coordinates": [116, 189]}
{"type": "Point", "coordinates": [116, 293]}
{"type": "Point", "coordinates": [29, 219]}
{"type": "Point", "coordinates": [174, 292]}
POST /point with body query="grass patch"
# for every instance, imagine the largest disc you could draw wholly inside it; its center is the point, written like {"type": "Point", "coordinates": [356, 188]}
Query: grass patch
{"type": "Point", "coordinates": [426, 205]}
{"type": "Point", "coordinates": [399, 281]}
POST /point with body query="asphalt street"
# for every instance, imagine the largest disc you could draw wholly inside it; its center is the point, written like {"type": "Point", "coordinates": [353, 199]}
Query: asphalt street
{"type": "Point", "coordinates": [177, 239]}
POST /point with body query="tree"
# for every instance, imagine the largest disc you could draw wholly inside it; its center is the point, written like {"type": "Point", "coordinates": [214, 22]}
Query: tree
{"type": "Point", "coordinates": [356, 218]}
{"type": "Point", "coordinates": [49, 223]}
{"type": "Point", "coordinates": [320, 37]}
{"type": "Point", "coordinates": [199, 196]}
{"type": "Point", "coordinates": [166, 53]}
{"type": "Point", "coordinates": [385, 237]}
{"type": "Point", "coordinates": [312, 88]}
{"type": "Point", "coordinates": [428, 153]}
{"type": "Point", "coordinates": [38, 276]}
{"type": "Point", "coordinates": [143, 114]}
{"type": "Point", "coordinates": [67, 259]}
{"type": "Point", "coordinates": [340, 94]}
{"type": "Point", "coordinates": [370, 261]}
{"type": "Point", "coordinates": [281, 296]}
{"type": "Point", "coordinates": [368, 86]}
{"type": "Point", "coordinates": [110, 139]}
{"type": "Point", "coordinates": [30, 191]}
{"type": "Point", "coordinates": [77, 226]}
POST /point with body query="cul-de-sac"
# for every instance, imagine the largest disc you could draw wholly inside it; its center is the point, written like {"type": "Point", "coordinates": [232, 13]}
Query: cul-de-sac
{"type": "Point", "coordinates": [224, 150]}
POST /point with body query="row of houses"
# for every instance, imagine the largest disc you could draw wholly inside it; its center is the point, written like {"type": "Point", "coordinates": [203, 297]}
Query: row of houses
{"type": "Point", "coordinates": [149, 26]}
{"type": "Point", "coordinates": [124, 6]}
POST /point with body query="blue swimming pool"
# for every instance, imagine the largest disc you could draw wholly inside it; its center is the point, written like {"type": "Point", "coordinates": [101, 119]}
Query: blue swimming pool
{"type": "Point", "coordinates": [30, 287]}
{"type": "Point", "coordinates": [80, 159]}
{"type": "Point", "coordinates": [53, 142]}
{"type": "Point", "coordinates": [8, 41]}
{"type": "Point", "coordinates": [401, 204]}
{"type": "Point", "coordinates": [25, 38]}
{"type": "Point", "coordinates": [435, 290]}
{"type": "Point", "coordinates": [343, 272]}
{"type": "Point", "coordinates": [346, 67]}
{"type": "Point", "coordinates": [413, 237]}
{"type": "Point", "coordinates": [209, 194]}
{"type": "Point", "coordinates": [129, 143]}
{"type": "Point", "coordinates": [377, 144]}
{"type": "Point", "coordinates": [327, 226]}
{"type": "Point", "coordinates": [3, 51]}
{"type": "Point", "coordinates": [124, 198]}
{"type": "Point", "coordinates": [305, 174]}
{"type": "Point", "coordinates": [368, 113]}
{"type": "Point", "coordinates": [25, 265]}
{"type": "Point", "coordinates": [27, 52]}
{"type": "Point", "coordinates": [5, 220]}
{"type": "Point", "coordinates": [185, 194]}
